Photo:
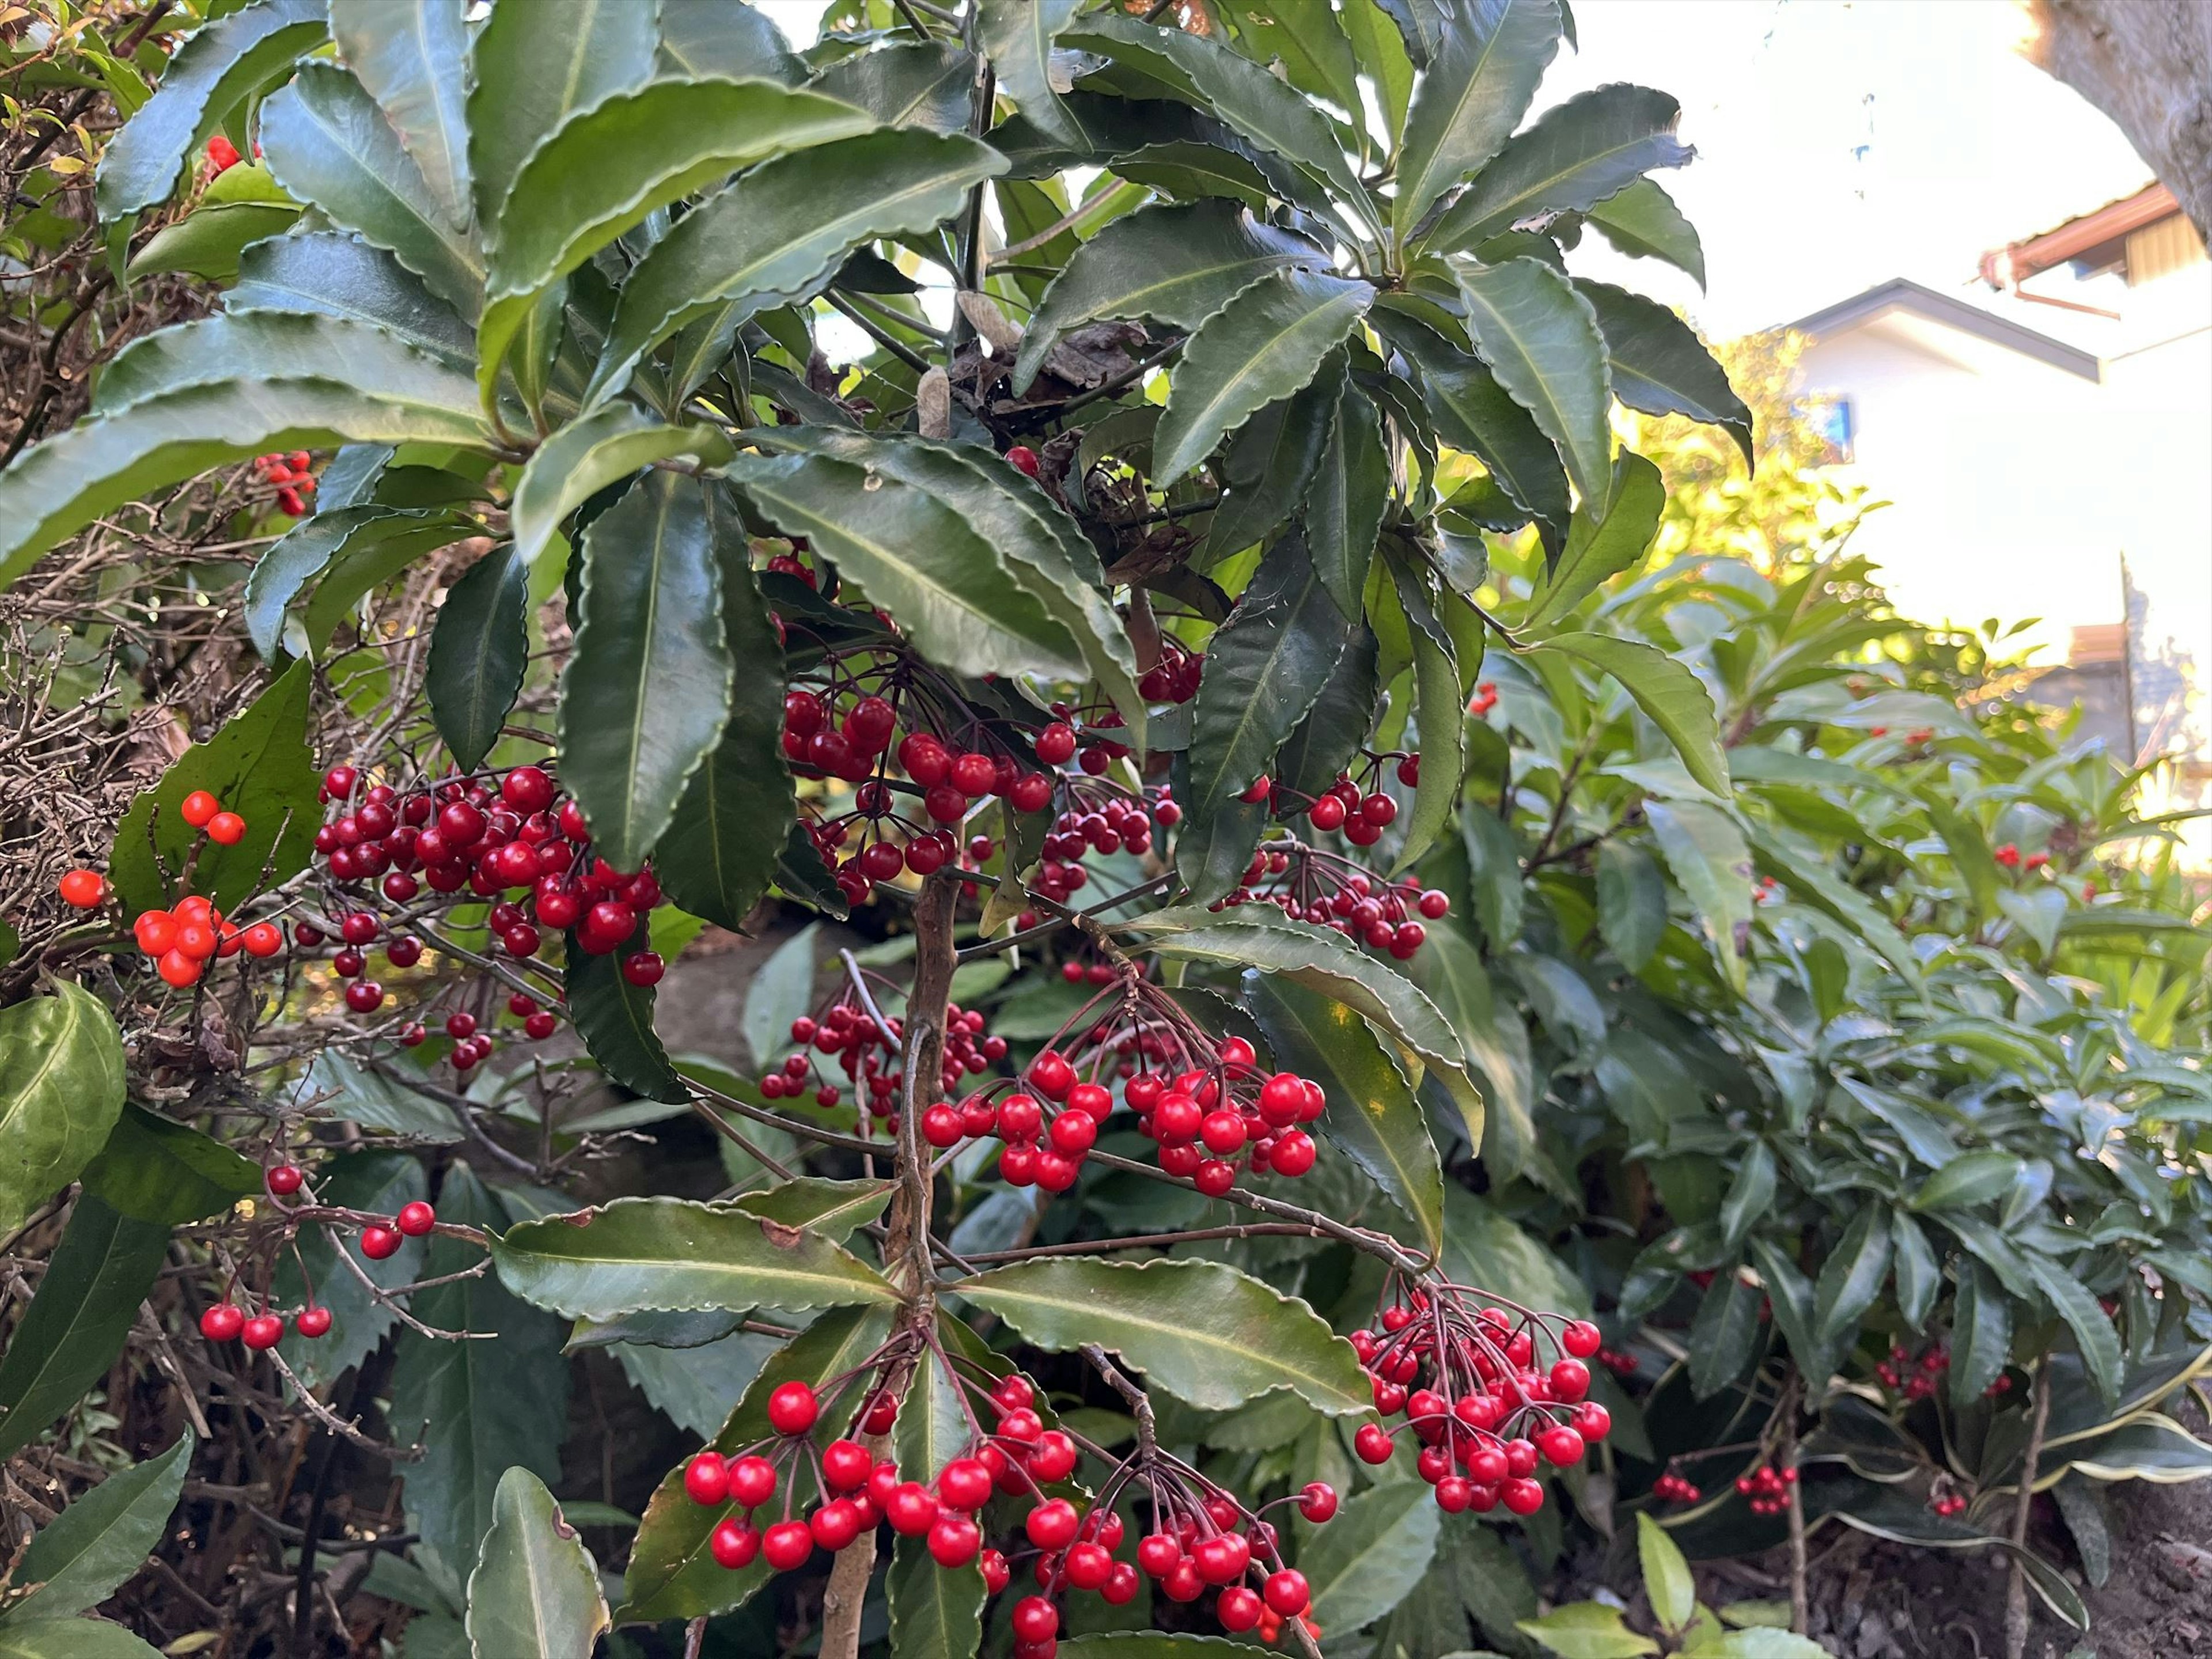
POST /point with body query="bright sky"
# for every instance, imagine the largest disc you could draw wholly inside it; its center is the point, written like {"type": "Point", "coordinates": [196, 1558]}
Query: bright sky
{"type": "Point", "coordinates": [1840, 142]}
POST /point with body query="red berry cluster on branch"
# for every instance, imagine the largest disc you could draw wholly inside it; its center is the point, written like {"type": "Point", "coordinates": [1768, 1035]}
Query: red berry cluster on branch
{"type": "Point", "coordinates": [1174, 677]}
{"type": "Point", "coordinates": [1309, 884]}
{"type": "Point", "coordinates": [1672, 1488]}
{"type": "Point", "coordinates": [1914, 1379]}
{"type": "Point", "coordinates": [1767, 1487]}
{"type": "Point", "coordinates": [287, 475]}
{"type": "Point", "coordinates": [850, 1027]}
{"type": "Point", "coordinates": [1467, 1379]}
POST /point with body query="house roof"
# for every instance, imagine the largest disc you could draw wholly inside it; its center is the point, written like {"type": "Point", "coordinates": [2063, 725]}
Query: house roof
{"type": "Point", "coordinates": [2084, 232]}
{"type": "Point", "coordinates": [1902, 294]}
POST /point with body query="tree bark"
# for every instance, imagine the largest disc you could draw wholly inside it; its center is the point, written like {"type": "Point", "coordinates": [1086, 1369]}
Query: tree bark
{"type": "Point", "coordinates": [2148, 64]}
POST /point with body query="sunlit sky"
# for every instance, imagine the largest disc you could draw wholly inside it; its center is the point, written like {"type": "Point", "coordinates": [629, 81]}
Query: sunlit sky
{"type": "Point", "coordinates": [1839, 143]}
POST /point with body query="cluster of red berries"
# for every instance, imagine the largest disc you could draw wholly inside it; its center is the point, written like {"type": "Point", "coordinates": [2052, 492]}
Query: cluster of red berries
{"type": "Point", "coordinates": [1467, 1382]}
{"type": "Point", "coordinates": [1765, 890]}
{"type": "Point", "coordinates": [1308, 884]}
{"type": "Point", "coordinates": [223, 156]}
{"type": "Point", "coordinates": [1915, 1380]}
{"type": "Point", "coordinates": [1999, 1388]}
{"type": "Point", "coordinates": [1174, 677]}
{"type": "Point", "coordinates": [1619, 1363]}
{"type": "Point", "coordinates": [1103, 818]}
{"type": "Point", "coordinates": [226, 1322]}
{"type": "Point", "coordinates": [380, 1242]}
{"type": "Point", "coordinates": [1767, 1487]}
{"type": "Point", "coordinates": [1360, 809]}
{"type": "Point", "coordinates": [1919, 737]}
{"type": "Point", "coordinates": [184, 939]}
{"type": "Point", "coordinates": [2011, 858]}
{"type": "Point", "coordinates": [287, 474]}
{"type": "Point", "coordinates": [1484, 698]}
{"type": "Point", "coordinates": [1672, 1488]}
{"type": "Point", "coordinates": [1946, 1503]}
{"type": "Point", "coordinates": [866, 1047]}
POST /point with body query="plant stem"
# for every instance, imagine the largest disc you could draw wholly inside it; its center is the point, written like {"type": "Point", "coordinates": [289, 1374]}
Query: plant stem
{"type": "Point", "coordinates": [1786, 1452]}
{"type": "Point", "coordinates": [2016, 1587]}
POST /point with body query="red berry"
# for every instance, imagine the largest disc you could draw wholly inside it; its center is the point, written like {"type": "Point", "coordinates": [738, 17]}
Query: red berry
{"type": "Point", "coordinates": [1372, 1442]}
{"type": "Point", "coordinates": [734, 1544]}
{"type": "Point", "coordinates": [1287, 1592]}
{"type": "Point", "coordinates": [197, 808]}
{"type": "Point", "coordinates": [787, 1544]}
{"type": "Point", "coordinates": [416, 1218]}
{"type": "Point", "coordinates": [285, 1179]}
{"type": "Point", "coordinates": [313, 1323]}
{"type": "Point", "coordinates": [845, 1465]}
{"type": "Point", "coordinates": [1056, 745]}
{"type": "Point", "coordinates": [223, 1322]}
{"type": "Point", "coordinates": [226, 828]}
{"type": "Point", "coordinates": [264, 939]}
{"type": "Point", "coordinates": [222, 154]}
{"type": "Point", "coordinates": [1581, 1338]}
{"type": "Point", "coordinates": [263, 1331]}
{"type": "Point", "coordinates": [706, 1479]}
{"type": "Point", "coordinates": [964, 1484]}
{"type": "Point", "coordinates": [83, 888]}
{"type": "Point", "coordinates": [752, 1482]}
{"type": "Point", "coordinates": [912, 1510]}
{"type": "Point", "coordinates": [837, 1524]}
{"type": "Point", "coordinates": [1238, 1609]}
{"type": "Point", "coordinates": [364, 996]}
{"type": "Point", "coordinates": [1522, 1497]}
{"type": "Point", "coordinates": [1035, 1620]}
{"type": "Point", "coordinates": [940, 1126]}
{"type": "Point", "coordinates": [379, 1243]}
{"type": "Point", "coordinates": [954, 1540]}
{"type": "Point", "coordinates": [1317, 1503]}
{"type": "Point", "coordinates": [792, 1408]}
{"type": "Point", "coordinates": [643, 968]}
{"type": "Point", "coordinates": [1051, 1525]}
{"type": "Point", "coordinates": [1023, 459]}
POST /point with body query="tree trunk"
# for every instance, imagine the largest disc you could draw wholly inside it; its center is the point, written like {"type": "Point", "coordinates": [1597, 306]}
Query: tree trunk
{"type": "Point", "coordinates": [2147, 63]}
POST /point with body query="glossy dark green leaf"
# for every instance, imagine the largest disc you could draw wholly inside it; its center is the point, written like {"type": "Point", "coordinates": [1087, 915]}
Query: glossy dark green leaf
{"type": "Point", "coordinates": [1346, 501]}
{"type": "Point", "coordinates": [1017, 36]}
{"type": "Point", "coordinates": [329, 144]}
{"type": "Point", "coordinates": [935, 1612]}
{"type": "Point", "coordinates": [1632, 902]}
{"type": "Point", "coordinates": [61, 1091]}
{"type": "Point", "coordinates": [1919, 1274]}
{"type": "Point", "coordinates": [1440, 709]}
{"type": "Point", "coordinates": [1372, 1118]}
{"type": "Point", "coordinates": [352, 549]}
{"type": "Point", "coordinates": [218, 351]}
{"type": "Point", "coordinates": [779, 232]}
{"type": "Point", "coordinates": [1790, 1295]}
{"type": "Point", "coordinates": [1981, 1334]}
{"type": "Point", "coordinates": [930, 85]}
{"type": "Point", "coordinates": [78, 1559]}
{"type": "Point", "coordinates": [1494, 879]}
{"type": "Point", "coordinates": [1669, 692]}
{"type": "Point", "coordinates": [701, 38]}
{"type": "Point", "coordinates": [671, 1575]}
{"type": "Point", "coordinates": [479, 647]}
{"type": "Point", "coordinates": [1724, 1334]}
{"type": "Point", "coordinates": [1366, 1560]}
{"type": "Point", "coordinates": [615, 1019]}
{"type": "Point", "coordinates": [1263, 345]}
{"type": "Point", "coordinates": [379, 1183]}
{"type": "Point", "coordinates": [1540, 339]}
{"type": "Point", "coordinates": [1662, 368]}
{"type": "Point", "coordinates": [87, 1302]}
{"type": "Point", "coordinates": [1322, 743]}
{"type": "Point", "coordinates": [1449, 969]}
{"type": "Point", "coordinates": [1265, 668]}
{"type": "Point", "coordinates": [535, 1593]}
{"type": "Point", "coordinates": [477, 1408]}
{"type": "Point", "coordinates": [207, 241]}
{"type": "Point", "coordinates": [1572, 157]}
{"type": "Point", "coordinates": [647, 684]}
{"type": "Point", "coordinates": [1749, 1195]}
{"type": "Point", "coordinates": [1177, 266]}
{"type": "Point", "coordinates": [70, 1639]}
{"type": "Point", "coordinates": [1269, 464]}
{"type": "Point", "coordinates": [1206, 1334]}
{"type": "Point", "coordinates": [2085, 1317]}
{"type": "Point", "coordinates": [1852, 1277]}
{"type": "Point", "coordinates": [585, 456]}
{"type": "Point", "coordinates": [952, 593]}
{"type": "Point", "coordinates": [1642, 221]}
{"type": "Point", "coordinates": [1968, 1180]}
{"type": "Point", "coordinates": [529, 78]}
{"type": "Point", "coordinates": [834, 1209]}
{"type": "Point", "coordinates": [259, 765]}
{"type": "Point", "coordinates": [332, 273]}
{"type": "Point", "coordinates": [1601, 545]}
{"type": "Point", "coordinates": [207, 74]}
{"type": "Point", "coordinates": [1474, 94]}
{"type": "Point", "coordinates": [155, 1168]}
{"type": "Point", "coordinates": [412, 56]}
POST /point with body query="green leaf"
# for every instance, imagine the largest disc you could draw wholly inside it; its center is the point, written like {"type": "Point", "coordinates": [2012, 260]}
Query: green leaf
{"type": "Point", "coordinates": [87, 1302]}
{"type": "Point", "coordinates": [1662, 368]}
{"type": "Point", "coordinates": [703, 37]}
{"type": "Point", "coordinates": [952, 593]}
{"type": "Point", "coordinates": [70, 1639]}
{"type": "Point", "coordinates": [61, 1091]}
{"type": "Point", "coordinates": [1264, 344]}
{"type": "Point", "coordinates": [1749, 1195]}
{"type": "Point", "coordinates": [1307, 39]}
{"type": "Point", "coordinates": [103, 1538]}
{"type": "Point", "coordinates": [1017, 36]}
{"type": "Point", "coordinates": [1852, 1277]}
{"type": "Point", "coordinates": [1725, 1333]}
{"type": "Point", "coordinates": [833, 1209]}
{"type": "Point", "coordinates": [1044, 549]}
{"type": "Point", "coordinates": [369, 559]}
{"type": "Point", "coordinates": [379, 1099]}
{"type": "Point", "coordinates": [535, 1593]}
{"type": "Point", "coordinates": [1326, 961]}
{"type": "Point", "coordinates": [207, 73]}
{"type": "Point", "coordinates": [329, 145]}
{"type": "Point", "coordinates": [1665, 1575]}
{"type": "Point", "coordinates": [936, 1613]}
{"type": "Point", "coordinates": [330, 273]}
{"type": "Point", "coordinates": [605, 168]}
{"type": "Point", "coordinates": [1671, 696]}
{"type": "Point", "coordinates": [1919, 1275]}
{"type": "Point", "coordinates": [1474, 92]}
{"type": "Point", "coordinates": [1969, 1179]}
{"type": "Point", "coordinates": [259, 765]}
{"type": "Point", "coordinates": [479, 1407]}
{"type": "Point", "coordinates": [1540, 339]}
{"type": "Point", "coordinates": [1346, 501]}
{"type": "Point", "coordinates": [647, 687]}
{"type": "Point", "coordinates": [530, 78]}
{"type": "Point", "coordinates": [1202, 72]}
{"type": "Point", "coordinates": [1632, 902]}
{"type": "Point", "coordinates": [1574, 155]}
{"type": "Point", "coordinates": [208, 240]}
{"type": "Point", "coordinates": [1706, 850]}
{"type": "Point", "coordinates": [1474, 412]}
{"type": "Point", "coordinates": [778, 233]}
{"type": "Point", "coordinates": [1587, 1630]}
{"type": "Point", "coordinates": [1494, 877]}
{"type": "Point", "coordinates": [676, 1254]}
{"type": "Point", "coordinates": [219, 350]}
{"type": "Point", "coordinates": [1366, 1560]}
{"type": "Point", "coordinates": [1790, 1294]}
{"type": "Point", "coordinates": [1176, 266]}
{"type": "Point", "coordinates": [615, 1019]}
{"type": "Point", "coordinates": [585, 456]}
{"type": "Point", "coordinates": [1372, 1116]}
{"type": "Point", "coordinates": [379, 1183]}
{"type": "Point", "coordinates": [412, 56]}
{"type": "Point", "coordinates": [1268, 466]}
{"type": "Point", "coordinates": [929, 85]}
{"type": "Point", "coordinates": [155, 1168]}
{"type": "Point", "coordinates": [57, 487]}
{"type": "Point", "coordinates": [670, 1573]}
{"type": "Point", "coordinates": [1761, 1644]}
{"type": "Point", "coordinates": [1265, 668]}
{"type": "Point", "coordinates": [933, 1421]}
{"type": "Point", "coordinates": [1642, 221]}
{"type": "Point", "coordinates": [479, 647]}
{"type": "Point", "coordinates": [1323, 743]}
{"type": "Point", "coordinates": [1981, 1334]}
{"type": "Point", "coordinates": [1450, 969]}
{"type": "Point", "coordinates": [1440, 708]}
{"type": "Point", "coordinates": [2091, 1327]}
{"type": "Point", "coordinates": [1604, 543]}
{"type": "Point", "coordinates": [1208, 1334]}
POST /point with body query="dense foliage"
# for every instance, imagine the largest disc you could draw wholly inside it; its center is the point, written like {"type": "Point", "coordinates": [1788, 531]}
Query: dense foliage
{"type": "Point", "coordinates": [1360, 918]}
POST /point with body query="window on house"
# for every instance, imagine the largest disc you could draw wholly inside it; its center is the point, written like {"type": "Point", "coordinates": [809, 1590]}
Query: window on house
{"type": "Point", "coordinates": [1835, 422]}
